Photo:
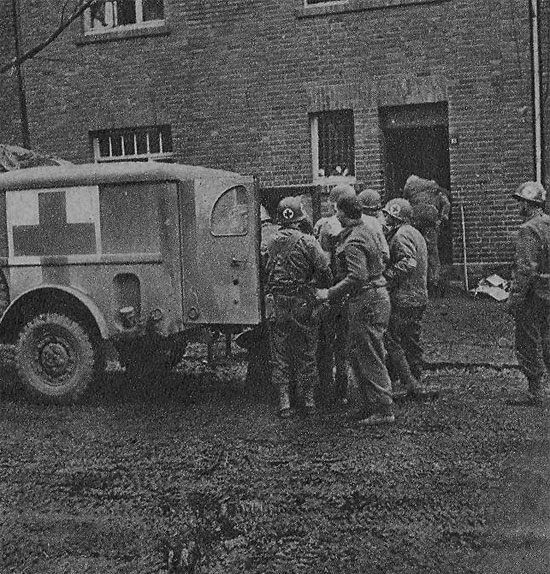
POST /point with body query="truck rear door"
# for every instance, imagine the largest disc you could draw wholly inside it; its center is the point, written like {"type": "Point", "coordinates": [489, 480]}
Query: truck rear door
{"type": "Point", "coordinates": [220, 251]}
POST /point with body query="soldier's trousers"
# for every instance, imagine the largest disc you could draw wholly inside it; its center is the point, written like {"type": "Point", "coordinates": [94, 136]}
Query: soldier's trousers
{"type": "Point", "coordinates": [533, 340]}
{"type": "Point", "coordinates": [431, 235]}
{"type": "Point", "coordinates": [258, 374]}
{"type": "Point", "coordinates": [293, 335]}
{"type": "Point", "coordinates": [332, 351]}
{"type": "Point", "coordinates": [369, 315]}
{"type": "Point", "coordinates": [403, 343]}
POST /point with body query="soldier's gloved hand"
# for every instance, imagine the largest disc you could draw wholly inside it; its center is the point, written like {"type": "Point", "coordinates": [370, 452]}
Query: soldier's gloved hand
{"type": "Point", "coordinates": [321, 295]}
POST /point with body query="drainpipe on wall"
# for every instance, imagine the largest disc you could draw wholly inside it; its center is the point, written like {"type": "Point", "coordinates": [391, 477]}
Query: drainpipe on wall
{"type": "Point", "coordinates": [25, 135]}
{"type": "Point", "coordinates": [536, 79]}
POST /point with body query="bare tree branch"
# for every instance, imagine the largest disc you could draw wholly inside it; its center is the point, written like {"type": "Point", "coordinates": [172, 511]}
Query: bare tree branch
{"type": "Point", "coordinates": [80, 7]}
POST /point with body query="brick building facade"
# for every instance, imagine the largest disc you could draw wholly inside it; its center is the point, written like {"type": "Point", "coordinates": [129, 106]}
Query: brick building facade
{"type": "Point", "coordinates": [299, 90]}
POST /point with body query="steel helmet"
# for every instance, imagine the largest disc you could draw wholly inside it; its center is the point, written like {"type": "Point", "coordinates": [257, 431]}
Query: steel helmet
{"type": "Point", "coordinates": [289, 210]}
{"type": "Point", "coordinates": [531, 191]}
{"type": "Point", "coordinates": [339, 191]}
{"type": "Point", "coordinates": [350, 206]}
{"type": "Point", "coordinates": [370, 199]}
{"type": "Point", "coordinates": [399, 209]}
{"type": "Point", "coordinates": [264, 214]}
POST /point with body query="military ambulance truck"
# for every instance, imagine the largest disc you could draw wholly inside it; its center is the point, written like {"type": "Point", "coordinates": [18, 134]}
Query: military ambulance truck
{"type": "Point", "coordinates": [137, 255]}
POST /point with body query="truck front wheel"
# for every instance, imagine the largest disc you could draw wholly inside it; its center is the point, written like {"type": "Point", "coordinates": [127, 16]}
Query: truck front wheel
{"type": "Point", "coordinates": [54, 358]}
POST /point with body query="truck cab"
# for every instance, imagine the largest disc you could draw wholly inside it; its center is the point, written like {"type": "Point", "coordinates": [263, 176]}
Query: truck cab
{"type": "Point", "coordinates": [137, 254]}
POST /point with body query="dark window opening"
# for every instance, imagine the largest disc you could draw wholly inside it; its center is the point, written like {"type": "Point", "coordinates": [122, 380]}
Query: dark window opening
{"type": "Point", "coordinates": [126, 12]}
{"type": "Point", "coordinates": [336, 141]}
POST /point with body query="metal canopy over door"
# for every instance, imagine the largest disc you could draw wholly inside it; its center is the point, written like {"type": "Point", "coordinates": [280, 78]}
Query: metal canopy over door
{"type": "Point", "coordinates": [220, 252]}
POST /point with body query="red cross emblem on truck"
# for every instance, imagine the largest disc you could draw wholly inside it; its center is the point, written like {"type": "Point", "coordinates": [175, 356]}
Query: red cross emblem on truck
{"type": "Point", "coordinates": [53, 235]}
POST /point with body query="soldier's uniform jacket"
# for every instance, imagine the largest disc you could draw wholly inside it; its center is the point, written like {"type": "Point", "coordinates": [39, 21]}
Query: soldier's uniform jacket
{"type": "Point", "coordinates": [408, 267]}
{"type": "Point", "coordinates": [374, 225]}
{"type": "Point", "coordinates": [361, 257]}
{"type": "Point", "coordinates": [532, 263]}
{"type": "Point", "coordinates": [294, 261]}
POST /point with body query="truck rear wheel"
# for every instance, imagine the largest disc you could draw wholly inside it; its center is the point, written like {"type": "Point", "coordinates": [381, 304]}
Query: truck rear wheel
{"type": "Point", "coordinates": [54, 358]}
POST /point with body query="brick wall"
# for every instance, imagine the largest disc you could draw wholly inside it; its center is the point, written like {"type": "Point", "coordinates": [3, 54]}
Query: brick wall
{"type": "Point", "coordinates": [236, 80]}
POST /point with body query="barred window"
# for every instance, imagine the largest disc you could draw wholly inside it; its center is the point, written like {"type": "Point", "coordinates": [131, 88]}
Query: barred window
{"type": "Point", "coordinates": [114, 14]}
{"type": "Point", "coordinates": [333, 144]}
{"type": "Point", "coordinates": [133, 144]}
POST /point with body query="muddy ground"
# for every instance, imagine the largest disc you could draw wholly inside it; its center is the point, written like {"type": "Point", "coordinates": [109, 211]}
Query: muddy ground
{"type": "Point", "coordinates": [196, 475]}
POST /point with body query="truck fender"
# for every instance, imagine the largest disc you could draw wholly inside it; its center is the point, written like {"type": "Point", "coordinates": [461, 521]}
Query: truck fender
{"type": "Point", "coordinates": [82, 297]}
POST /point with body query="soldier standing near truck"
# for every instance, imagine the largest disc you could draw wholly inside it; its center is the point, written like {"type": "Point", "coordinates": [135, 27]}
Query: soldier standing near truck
{"type": "Point", "coordinates": [529, 301]}
{"type": "Point", "coordinates": [331, 351]}
{"type": "Point", "coordinates": [361, 264]}
{"type": "Point", "coordinates": [431, 209]}
{"type": "Point", "coordinates": [407, 284]}
{"type": "Point", "coordinates": [372, 205]}
{"type": "Point", "coordinates": [294, 263]}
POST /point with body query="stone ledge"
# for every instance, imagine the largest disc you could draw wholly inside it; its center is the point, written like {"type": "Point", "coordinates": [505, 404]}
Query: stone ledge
{"type": "Point", "coordinates": [117, 35]}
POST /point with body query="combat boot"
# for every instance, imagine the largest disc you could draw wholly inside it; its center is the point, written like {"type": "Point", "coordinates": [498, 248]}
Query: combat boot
{"type": "Point", "coordinates": [383, 415]}
{"type": "Point", "coordinates": [413, 389]}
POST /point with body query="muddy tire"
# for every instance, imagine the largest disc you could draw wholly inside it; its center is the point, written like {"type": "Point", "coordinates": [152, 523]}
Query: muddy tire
{"type": "Point", "coordinates": [54, 359]}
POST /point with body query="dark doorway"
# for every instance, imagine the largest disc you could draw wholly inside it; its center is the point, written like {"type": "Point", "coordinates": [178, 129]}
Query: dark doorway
{"type": "Point", "coordinates": [416, 141]}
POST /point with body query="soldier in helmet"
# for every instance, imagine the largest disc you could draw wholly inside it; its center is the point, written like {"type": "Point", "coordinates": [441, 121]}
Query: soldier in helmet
{"type": "Point", "coordinates": [372, 205]}
{"type": "Point", "coordinates": [294, 264]}
{"type": "Point", "coordinates": [431, 209]}
{"type": "Point", "coordinates": [529, 301]}
{"type": "Point", "coordinates": [372, 217]}
{"type": "Point", "coordinates": [361, 264]}
{"type": "Point", "coordinates": [327, 229]}
{"type": "Point", "coordinates": [331, 351]}
{"type": "Point", "coordinates": [407, 283]}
